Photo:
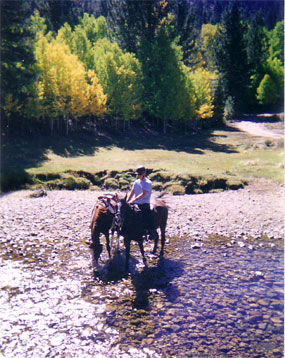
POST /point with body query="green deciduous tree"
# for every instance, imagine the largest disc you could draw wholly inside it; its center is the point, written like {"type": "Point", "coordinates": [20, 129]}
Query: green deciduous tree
{"type": "Point", "coordinates": [207, 45]}
{"type": "Point", "coordinates": [84, 36]}
{"type": "Point", "coordinates": [120, 75]}
{"type": "Point", "coordinates": [271, 88]}
{"type": "Point", "coordinates": [276, 41]}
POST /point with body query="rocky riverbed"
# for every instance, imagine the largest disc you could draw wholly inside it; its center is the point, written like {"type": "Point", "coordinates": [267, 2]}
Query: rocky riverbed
{"type": "Point", "coordinates": [218, 292]}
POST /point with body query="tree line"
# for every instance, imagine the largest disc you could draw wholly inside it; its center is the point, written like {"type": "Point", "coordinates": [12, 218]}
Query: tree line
{"type": "Point", "coordinates": [73, 65]}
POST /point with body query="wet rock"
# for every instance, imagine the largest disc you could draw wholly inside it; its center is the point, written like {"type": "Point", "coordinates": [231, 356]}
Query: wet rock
{"type": "Point", "coordinates": [263, 303]}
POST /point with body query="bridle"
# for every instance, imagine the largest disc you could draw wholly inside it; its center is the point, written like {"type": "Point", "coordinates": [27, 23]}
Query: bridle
{"type": "Point", "coordinates": [119, 217]}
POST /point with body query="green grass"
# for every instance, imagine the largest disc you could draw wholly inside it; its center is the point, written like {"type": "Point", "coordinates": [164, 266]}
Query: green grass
{"type": "Point", "coordinates": [220, 153]}
{"type": "Point", "coordinates": [245, 163]}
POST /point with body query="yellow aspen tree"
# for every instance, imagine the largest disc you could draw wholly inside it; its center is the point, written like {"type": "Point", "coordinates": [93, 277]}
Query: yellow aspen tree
{"type": "Point", "coordinates": [65, 85]}
{"type": "Point", "coordinates": [96, 100]}
{"type": "Point", "coordinates": [201, 80]}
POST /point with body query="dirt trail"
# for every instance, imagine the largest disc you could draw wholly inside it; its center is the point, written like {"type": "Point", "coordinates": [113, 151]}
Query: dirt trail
{"type": "Point", "coordinates": [256, 129]}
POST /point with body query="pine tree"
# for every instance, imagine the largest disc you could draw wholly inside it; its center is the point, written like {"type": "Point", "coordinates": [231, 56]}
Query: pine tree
{"type": "Point", "coordinates": [131, 20]}
{"type": "Point", "coordinates": [166, 90]}
{"type": "Point", "coordinates": [185, 15]}
{"type": "Point", "coordinates": [257, 52]}
{"type": "Point", "coordinates": [17, 59]}
{"type": "Point", "coordinates": [231, 57]}
{"type": "Point", "coordinates": [219, 103]}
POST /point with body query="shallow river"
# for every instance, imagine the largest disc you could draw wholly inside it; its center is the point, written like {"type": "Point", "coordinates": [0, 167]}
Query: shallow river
{"type": "Point", "coordinates": [222, 298]}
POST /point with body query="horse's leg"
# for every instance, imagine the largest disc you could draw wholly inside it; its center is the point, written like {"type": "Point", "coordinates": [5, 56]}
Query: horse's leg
{"type": "Point", "coordinates": [95, 248]}
{"type": "Point", "coordinates": [108, 243]}
{"type": "Point", "coordinates": [155, 242]}
{"type": "Point", "coordinates": [162, 234]}
{"type": "Point", "coordinates": [127, 243]}
{"type": "Point", "coordinates": [112, 241]}
{"type": "Point", "coordinates": [140, 242]}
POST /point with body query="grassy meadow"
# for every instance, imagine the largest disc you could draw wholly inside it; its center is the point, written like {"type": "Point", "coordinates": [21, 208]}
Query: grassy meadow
{"type": "Point", "coordinates": [226, 153]}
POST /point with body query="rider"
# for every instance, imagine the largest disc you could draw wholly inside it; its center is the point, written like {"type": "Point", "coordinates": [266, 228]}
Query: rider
{"type": "Point", "coordinates": [141, 191]}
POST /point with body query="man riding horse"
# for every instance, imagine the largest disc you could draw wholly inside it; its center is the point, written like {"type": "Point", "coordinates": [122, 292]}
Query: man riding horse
{"type": "Point", "coordinates": [141, 191]}
{"type": "Point", "coordinates": [112, 212]}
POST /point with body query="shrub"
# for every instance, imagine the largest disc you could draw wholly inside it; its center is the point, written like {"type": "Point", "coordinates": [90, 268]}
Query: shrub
{"type": "Point", "coordinates": [111, 183]}
{"type": "Point", "coordinates": [157, 186]}
{"type": "Point", "coordinates": [171, 183]}
{"type": "Point", "coordinates": [202, 183]}
{"type": "Point", "coordinates": [94, 188]}
{"type": "Point", "coordinates": [46, 176]}
{"type": "Point", "coordinates": [198, 191]}
{"type": "Point", "coordinates": [124, 184]}
{"type": "Point", "coordinates": [96, 180]}
{"type": "Point", "coordinates": [235, 184]}
{"type": "Point", "coordinates": [68, 183]}
{"type": "Point", "coordinates": [176, 189]}
{"type": "Point", "coordinates": [160, 176]}
{"type": "Point", "coordinates": [14, 179]}
{"type": "Point", "coordinates": [184, 178]}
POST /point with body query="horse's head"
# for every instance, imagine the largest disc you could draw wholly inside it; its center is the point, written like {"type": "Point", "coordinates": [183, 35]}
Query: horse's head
{"type": "Point", "coordinates": [122, 206]}
{"type": "Point", "coordinates": [97, 249]}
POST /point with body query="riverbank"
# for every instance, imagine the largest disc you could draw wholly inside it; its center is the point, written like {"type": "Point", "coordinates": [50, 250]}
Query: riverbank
{"type": "Point", "coordinates": [218, 292]}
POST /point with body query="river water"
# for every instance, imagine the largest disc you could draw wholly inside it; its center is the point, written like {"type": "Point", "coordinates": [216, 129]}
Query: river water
{"type": "Point", "coordinates": [219, 298]}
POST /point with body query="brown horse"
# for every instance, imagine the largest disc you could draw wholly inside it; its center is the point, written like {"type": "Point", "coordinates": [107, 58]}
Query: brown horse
{"type": "Point", "coordinates": [132, 226]}
{"type": "Point", "coordinates": [102, 219]}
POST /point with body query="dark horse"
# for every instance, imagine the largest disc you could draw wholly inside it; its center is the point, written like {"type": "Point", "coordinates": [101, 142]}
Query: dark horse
{"type": "Point", "coordinates": [102, 220]}
{"type": "Point", "coordinates": [133, 227]}
{"type": "Point", "coordinates": [160, 213]}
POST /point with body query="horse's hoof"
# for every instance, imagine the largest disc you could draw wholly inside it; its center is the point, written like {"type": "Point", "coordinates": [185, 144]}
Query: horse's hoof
{"type": "Point", "coordinates": [161, 253]}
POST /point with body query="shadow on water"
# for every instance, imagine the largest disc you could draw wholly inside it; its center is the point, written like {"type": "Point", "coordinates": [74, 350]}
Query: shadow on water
{"type": "Point", "coordinates": [113, 270]}
{"type": "Point", "coordinates": [158, 274]}
{"type": "Point", "coordinates": [156, 277]}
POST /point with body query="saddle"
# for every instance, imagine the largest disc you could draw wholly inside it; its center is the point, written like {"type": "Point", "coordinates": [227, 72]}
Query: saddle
{"type": "Point", "coordinates": [109, 200]}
